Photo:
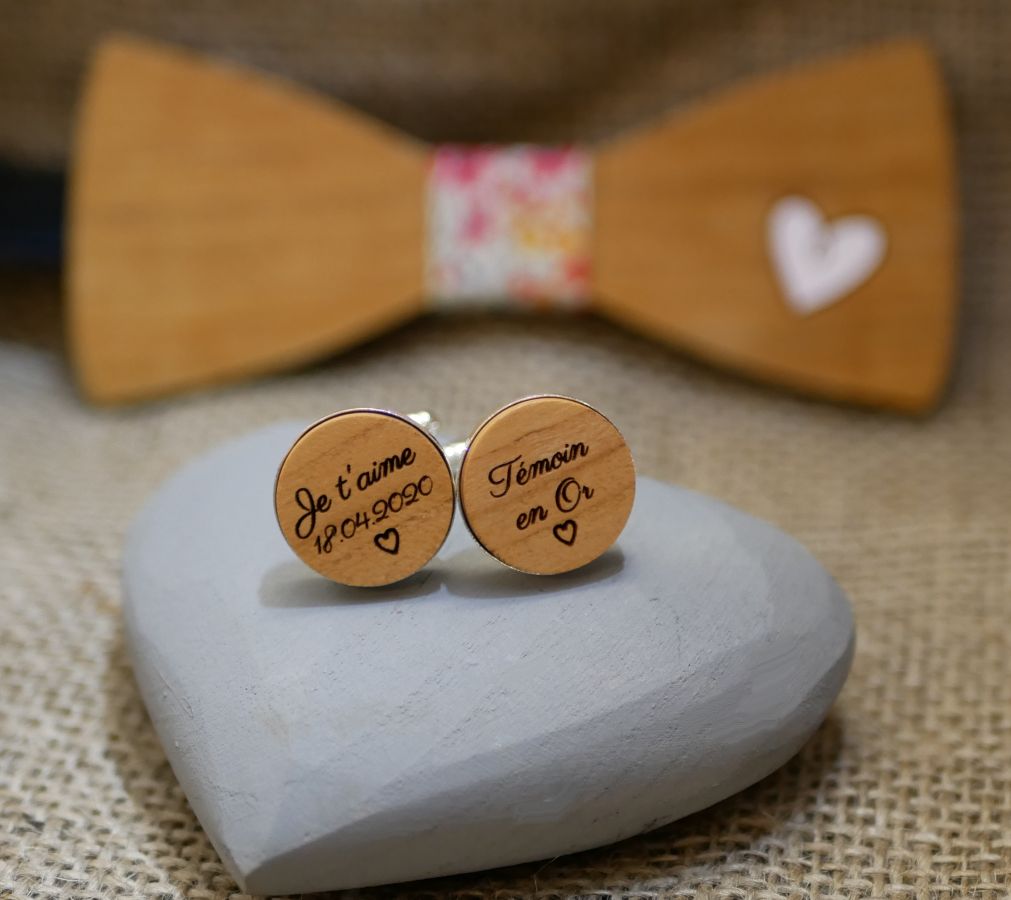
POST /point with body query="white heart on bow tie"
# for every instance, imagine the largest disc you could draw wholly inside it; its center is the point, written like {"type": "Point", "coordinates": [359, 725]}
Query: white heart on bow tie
{"type": "Point", "coordinates": [818, 262]}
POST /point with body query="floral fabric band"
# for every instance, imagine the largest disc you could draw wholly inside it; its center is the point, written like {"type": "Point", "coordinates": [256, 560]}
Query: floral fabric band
{"type": "Point", "coordinates": [509, 225]}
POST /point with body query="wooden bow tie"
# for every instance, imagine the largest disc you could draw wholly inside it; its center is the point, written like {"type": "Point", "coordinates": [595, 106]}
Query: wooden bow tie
{"type": "Point", "coordinates": [800, 229]}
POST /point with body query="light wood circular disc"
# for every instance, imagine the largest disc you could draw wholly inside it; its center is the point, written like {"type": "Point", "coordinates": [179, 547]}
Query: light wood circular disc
{"type": "Point", "coordinates": [365, 497]}
{"type": "Point", "coordinates": [547, 484]}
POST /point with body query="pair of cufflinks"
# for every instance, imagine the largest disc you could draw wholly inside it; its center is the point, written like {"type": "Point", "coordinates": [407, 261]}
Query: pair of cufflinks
{"type": "Point", "coordinates": [366, 497]}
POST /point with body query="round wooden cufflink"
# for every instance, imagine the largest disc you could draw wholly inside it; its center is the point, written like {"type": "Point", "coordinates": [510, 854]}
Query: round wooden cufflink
{"type": "Point", "coordinates": [365, 497]}
{"type": "Point", "coordinates": [546, 484]}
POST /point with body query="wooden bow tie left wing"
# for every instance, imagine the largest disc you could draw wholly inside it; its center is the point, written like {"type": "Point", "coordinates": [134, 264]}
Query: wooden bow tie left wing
{"type": "Point", "coordinates": [222, 224]}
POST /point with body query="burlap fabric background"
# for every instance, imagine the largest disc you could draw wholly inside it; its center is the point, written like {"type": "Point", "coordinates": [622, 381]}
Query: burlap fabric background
{"type": "Point", "coordinates": [904, 792]}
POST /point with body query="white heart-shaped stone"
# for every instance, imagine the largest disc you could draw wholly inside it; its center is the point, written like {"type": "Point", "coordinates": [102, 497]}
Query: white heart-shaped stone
{"type": "Point", "coordinates": [470, 716]}
{"type": "Point", "coordinates": [819, 262]}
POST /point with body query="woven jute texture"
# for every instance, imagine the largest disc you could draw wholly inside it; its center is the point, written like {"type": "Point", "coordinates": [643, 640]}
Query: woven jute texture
{"type": "Point", "coordinates": [906, 789]}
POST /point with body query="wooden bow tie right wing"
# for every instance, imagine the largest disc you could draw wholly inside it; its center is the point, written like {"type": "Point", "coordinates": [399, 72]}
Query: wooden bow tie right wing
{"type": "Point", "coordinates": [685, 239]}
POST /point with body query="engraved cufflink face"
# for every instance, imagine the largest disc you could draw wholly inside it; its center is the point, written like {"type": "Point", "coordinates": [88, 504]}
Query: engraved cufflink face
{"type": "Point", "coordinates": [546, 484]}
{"type": "Point", "coordinates": [365, 497]}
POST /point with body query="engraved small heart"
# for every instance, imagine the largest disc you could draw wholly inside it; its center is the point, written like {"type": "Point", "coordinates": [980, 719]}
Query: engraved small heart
{"type": "Point", "coordinates": [818, 262]}
{"type": "Point", "coordinates": [388, 541]}
{"type": "Point", "coordinates": [565, 532]}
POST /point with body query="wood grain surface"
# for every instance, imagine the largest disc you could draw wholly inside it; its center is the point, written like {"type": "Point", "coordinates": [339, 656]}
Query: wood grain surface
{"type": "Point", "coordinates": [365, 497]}
{"type": "Point", "coordinates": [547, 484]}
{"type": "Point", "coordinates": [681, 249]}
{"type": "Point", "coordinates": [223, 224]}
